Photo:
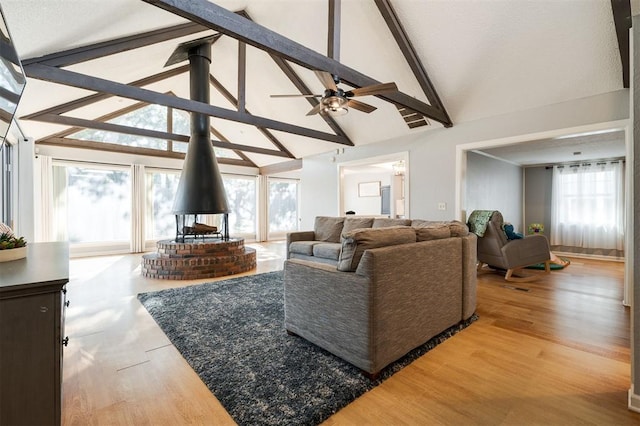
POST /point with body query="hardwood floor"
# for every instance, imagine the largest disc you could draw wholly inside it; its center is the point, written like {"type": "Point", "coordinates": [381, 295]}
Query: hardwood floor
{"type": "Point", "coordinates": [557, 354]}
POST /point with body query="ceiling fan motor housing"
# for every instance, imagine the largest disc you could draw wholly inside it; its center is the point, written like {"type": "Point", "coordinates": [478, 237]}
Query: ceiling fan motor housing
{"type": "Point", "coordinates": [334, 102]}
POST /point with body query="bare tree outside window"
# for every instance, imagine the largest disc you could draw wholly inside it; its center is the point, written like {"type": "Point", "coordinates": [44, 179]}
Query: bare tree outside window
{"type": "Point", "coordinates": [98, 205]}
{"type": "Point", "coordinates": [283, 206]}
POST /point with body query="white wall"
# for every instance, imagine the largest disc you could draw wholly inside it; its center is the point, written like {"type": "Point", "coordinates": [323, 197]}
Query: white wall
{"type": "Point", "coordinates": [318, 189]}
{"type": "Point", "coordinates": [369, 206]}
{"type": "Point", "coordinates": [495, 185]}
{"type": "Point", "coordinates": [537, 196]}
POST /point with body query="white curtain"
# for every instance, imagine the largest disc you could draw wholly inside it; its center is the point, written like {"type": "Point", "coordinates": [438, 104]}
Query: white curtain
{"type": "Point", "coordinates": [51, 200]}
{"type": "Point", "coordinates": [138, 206]}
{"type": "Point", "coordinates": [60, 182]}
{"type": "Point", "coordinates": [587, 207]}
{"type": "Point", "coordinates": [44, 199]}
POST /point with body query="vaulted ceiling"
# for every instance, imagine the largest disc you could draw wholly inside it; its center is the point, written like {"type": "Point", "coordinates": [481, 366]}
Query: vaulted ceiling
{"type": "Point", "coordinates": [90, 61]}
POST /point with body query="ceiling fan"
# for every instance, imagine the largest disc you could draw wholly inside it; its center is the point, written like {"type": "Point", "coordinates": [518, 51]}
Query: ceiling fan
{"type": "Point", "coordinates": [335, 101]}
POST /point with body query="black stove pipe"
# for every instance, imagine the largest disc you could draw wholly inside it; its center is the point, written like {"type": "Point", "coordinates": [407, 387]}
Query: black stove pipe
{"type": "Point", "coordinates": [200, 189]}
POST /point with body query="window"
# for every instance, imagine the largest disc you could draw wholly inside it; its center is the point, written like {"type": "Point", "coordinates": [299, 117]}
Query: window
{"type": "Point", "coordinates": [242, 199]}
{"type": "Point", "coordinates": [587, 206]}
{"type": "Point", "coordinates": [91, 204]}
{"type": "Point", "coordinates": [283, 206]}
{"type": "Point", "coordinates": [161, 190]}
{"type": "Point", "coordinates": [153, 117]}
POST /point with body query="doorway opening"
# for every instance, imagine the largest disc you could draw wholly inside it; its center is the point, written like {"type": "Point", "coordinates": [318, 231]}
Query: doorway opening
{"type": "Point", "coordinates": [376, 186]}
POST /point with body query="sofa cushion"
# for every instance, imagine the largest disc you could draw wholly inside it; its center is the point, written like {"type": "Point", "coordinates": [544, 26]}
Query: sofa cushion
{"type": "Point", "coordinates": [327, 250]}
{"type": "Point", "coordinates": [352, 223]}
{"type": "Point", "coordinates": [458, 229]}
{"type": "Point", "coordinates": [383, 222]}
{"type": "Point", "coordinates": [432, 231]}
{"type": "Point", "coordinates": [302, 247]}
{"type": "Point", "coordinates": [355, 243]}
{"type": "Point", "coordinates": [328, 228]}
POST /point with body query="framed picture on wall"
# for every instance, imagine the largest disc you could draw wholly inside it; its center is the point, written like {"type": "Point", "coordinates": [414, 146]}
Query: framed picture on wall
{"type": "Point", "coordinates": [369, 189]}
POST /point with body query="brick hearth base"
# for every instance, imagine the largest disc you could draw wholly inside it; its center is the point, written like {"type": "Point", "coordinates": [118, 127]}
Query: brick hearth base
{"type": "Point", "coordinates": [198, 259]}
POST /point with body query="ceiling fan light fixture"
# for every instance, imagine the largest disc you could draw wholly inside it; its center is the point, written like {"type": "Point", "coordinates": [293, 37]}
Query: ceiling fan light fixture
{"type": "Point", "coordinates": [334, 105]}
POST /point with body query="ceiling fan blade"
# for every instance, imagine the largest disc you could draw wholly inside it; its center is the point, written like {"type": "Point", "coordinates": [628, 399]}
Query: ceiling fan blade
{"type": "Point", "coordinates": [361, 106]}
{"type": "Point", "coordinates": [327, 80]}
{"type": "Point", "coordinates": [315, 109]}
{"type": "Point", "coordinates": [375, 89]}
{"type": "Point", "coordinates": [296, 96]}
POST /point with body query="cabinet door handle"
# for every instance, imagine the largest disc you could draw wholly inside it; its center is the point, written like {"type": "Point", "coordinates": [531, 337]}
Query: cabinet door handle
{"type": "Point", "coordinates": [65, 341]}
{"type": "Point", "coordinates": [66, 303]}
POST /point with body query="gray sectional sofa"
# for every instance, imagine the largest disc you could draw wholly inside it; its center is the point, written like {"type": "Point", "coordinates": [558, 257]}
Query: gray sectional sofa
{"type": "Point", "coordinates": [370, 294]}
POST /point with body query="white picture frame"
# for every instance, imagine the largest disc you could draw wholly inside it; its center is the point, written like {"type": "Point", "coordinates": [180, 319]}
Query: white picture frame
{"type": "Point", "coordinates": [369, 189]}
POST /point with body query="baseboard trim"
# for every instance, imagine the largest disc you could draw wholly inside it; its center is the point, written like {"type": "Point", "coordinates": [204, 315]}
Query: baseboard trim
{"type": "Point", "coordinates": [588, 256]}
{"type": "Point", "coordinates": [634, 401]}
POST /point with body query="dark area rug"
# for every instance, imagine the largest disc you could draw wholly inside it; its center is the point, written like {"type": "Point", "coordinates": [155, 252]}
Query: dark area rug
{"type": "Point", "coordinates": [232, 334]}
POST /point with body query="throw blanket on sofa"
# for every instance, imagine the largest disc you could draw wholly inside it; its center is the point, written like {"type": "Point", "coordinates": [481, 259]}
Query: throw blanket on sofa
{"type": "Point", "coordinates": [478, 221]}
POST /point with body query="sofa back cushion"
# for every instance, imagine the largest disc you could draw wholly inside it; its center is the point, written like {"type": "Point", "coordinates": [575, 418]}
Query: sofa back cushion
{"type": "Point", "coordinates": [432, 231]}
{"type": "Point", "coordinates": [351, 223]}
{"type": "Point", "coordinates": [383, 222]}
{"type": "Point", "coordinates": [328, 228]}
{"type": "Point", "coordinates": [355, 243]}
{"type": "Point", "coordinates": [457, 228]}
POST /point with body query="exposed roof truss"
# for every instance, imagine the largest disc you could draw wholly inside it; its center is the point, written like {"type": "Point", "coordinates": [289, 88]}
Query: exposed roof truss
{"type": "Point", "coordinates": [207, 16]}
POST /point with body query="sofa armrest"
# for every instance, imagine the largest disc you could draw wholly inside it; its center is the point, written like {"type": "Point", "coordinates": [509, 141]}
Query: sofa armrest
{"type": "Point", "coordinates": [329, 308]}
{"type": "Point", "coordinates": [299, 236]}
{"type": "Point", "coordinates": [416, 288]}
{"type": "Point", "coordinates": [526, 251]}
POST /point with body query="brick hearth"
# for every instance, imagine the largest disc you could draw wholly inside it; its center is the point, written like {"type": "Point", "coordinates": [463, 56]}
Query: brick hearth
{"type": "Point", "coordinates": [198, 259]}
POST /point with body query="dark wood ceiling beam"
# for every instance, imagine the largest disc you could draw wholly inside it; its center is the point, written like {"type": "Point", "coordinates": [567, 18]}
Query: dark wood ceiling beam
{"type": "Point", "coordinates": [304, 89]}
{"type": "Point", "coordinates": [70, 78]}
{"type": "Point", "coordinates": [88, 100]}
{"type": "Point", "coordinates": [110, 127]}
{"type": "Point", "coordinates": [333, 42]}
{"type": "Point", "coordinates": [233, 101]}
{"type": "Point", "coordinates": [286, 166]}
{"type": "Point", "coordinates": [118, 45]}
{"type": "Point", "coordinates": [110, 147]}
{"type": "Point", "coordinates": [410, 54]}
{"type": "Point", "coordinates": [242, 29]}
{"type": "Point", "coordinates": [157, 134]}
{"type": "Point", "coordinates": [622, 19]}
{"type": "Point", "coordinates": [134, 150]}
{"type": "Point", "coordinates": [242, 76]}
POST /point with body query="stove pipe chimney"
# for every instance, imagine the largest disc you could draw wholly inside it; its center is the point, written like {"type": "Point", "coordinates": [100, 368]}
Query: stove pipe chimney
{"type": "Point", "coordinates": [200, 189]}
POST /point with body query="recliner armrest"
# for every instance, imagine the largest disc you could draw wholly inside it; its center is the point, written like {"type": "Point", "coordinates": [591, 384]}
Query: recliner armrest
{"type": "Point", "coordinates": [526, 251]}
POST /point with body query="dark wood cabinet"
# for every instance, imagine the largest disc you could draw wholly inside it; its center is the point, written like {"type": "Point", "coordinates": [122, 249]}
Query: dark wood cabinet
{"type": "Point", "coordinates": [32, 303]}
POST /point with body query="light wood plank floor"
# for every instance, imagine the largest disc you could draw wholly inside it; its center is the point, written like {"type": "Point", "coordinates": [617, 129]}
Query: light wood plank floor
{"type": "Point", "coordinates": [557, 354]}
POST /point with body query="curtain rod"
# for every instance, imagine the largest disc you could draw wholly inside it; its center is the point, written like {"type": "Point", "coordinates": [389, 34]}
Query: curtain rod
{"type": "Point", "coordinates": [587, 163]}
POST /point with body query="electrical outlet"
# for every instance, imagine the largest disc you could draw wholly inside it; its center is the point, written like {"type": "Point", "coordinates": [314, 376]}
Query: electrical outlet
{"type": "Point", "coordinates": [442, 206]}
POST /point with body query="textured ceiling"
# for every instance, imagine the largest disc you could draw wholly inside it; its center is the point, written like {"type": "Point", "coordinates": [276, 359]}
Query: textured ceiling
{"type": "Point", "coordinates": [484, 57]}
{"type": "Point", "coordinates": [572, 148]}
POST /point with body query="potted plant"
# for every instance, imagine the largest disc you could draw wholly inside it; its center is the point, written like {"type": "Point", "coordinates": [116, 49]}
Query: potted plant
{"type": "Point", "coordinates": [536, 228]}
{"type": "Point", "coordinates": [12, 247]}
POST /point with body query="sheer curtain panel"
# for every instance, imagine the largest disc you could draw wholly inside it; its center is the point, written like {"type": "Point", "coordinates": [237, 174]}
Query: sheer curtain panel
{"type": "Point", "coordinates": [587, 207]}
{"type": "Point", "coordinates": [138, 205]}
